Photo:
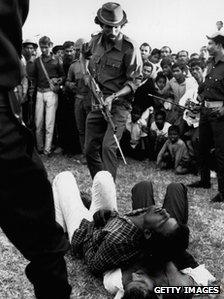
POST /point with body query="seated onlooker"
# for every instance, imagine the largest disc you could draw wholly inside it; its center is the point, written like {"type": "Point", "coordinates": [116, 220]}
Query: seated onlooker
{"type": "Point", "coordinates": [135, 138]}
{"type": "Point", "coordinates": [158, 133]}
{"type": "Point", "coordinates": [160, 86]}
{"type": "Point", "coordinates": [174, 153]}
{"type": "Point", "coordinates": [145, 50]}
{"type": "Point", "coordinates": [160, 82]}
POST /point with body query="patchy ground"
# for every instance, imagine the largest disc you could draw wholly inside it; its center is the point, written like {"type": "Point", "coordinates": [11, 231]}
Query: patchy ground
{"type": "Point", "coordinates": [206, 222]}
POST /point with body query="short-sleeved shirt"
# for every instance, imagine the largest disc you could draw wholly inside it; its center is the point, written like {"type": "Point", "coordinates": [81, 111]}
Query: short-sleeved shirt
{"type": "Point", "coordinates": [212, 88]}
{"type": "Point", "coordinates": [115, 66]}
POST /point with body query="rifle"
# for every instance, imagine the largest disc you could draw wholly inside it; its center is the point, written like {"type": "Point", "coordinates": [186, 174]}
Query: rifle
{"type": "Point", "coordinates": [94, 87]}
{"type": "Point", "coordinates": [193, 107]}
{"type": "Point", "coordinates": [191, 111]}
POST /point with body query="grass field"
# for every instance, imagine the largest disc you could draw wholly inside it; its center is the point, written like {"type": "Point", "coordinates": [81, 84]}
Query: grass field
{"type": "Point", "coordinates": [206, 222]}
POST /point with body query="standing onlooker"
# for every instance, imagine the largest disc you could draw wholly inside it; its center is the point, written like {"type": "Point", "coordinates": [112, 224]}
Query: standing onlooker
{"type": "Point", "coordinates": [67, 133]}
{"type": "Point", "coordinates": [219, 25]}
{"type": "Point", "coordinates": [155, 59]}
{"type": "Point", "coordinates": [211, 126]}
{"type": "Point", "coordinates": [29, 50]}
{"type": "Point", "coordinates": [204, 55]}
{"type": "Point", "coordinates": [166, 65]}
{"type": "Point", "coordinates": [77, 84]}
{"type": "Point", "coordinates": [194, 56]}
{"type": "Point", "coordinates": [58, 52]}
{"type": "Point", "coordinates": [47, 75]}
{"type": "Point", "coordinates": [183, 56]}
{"type": "Point", "coordinates": [165, 52]}
{"type": "Point", "coordinates": [145, 50]}
{"type": "Point", "coordinates": [181, 88]}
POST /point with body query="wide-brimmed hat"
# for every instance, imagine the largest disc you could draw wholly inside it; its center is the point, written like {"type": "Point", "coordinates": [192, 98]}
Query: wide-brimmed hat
{"type": "Point", "coordinates": [217, 37]}
{"type": "Point", "coordinates": [30, 42]}
{"type": "Point", "coordinates": [112, 14]}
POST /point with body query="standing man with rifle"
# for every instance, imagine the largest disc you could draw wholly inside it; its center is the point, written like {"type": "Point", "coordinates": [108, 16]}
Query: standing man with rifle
{"type": "Point", "coordinates": [115, 65]}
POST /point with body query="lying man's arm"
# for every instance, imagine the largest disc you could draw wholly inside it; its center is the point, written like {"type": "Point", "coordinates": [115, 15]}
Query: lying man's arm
{"type": "Point", "coordinates": [108, 256]}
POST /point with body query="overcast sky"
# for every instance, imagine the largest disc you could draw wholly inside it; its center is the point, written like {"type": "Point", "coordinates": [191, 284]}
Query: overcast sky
{"type": "Point", "coordinates": [181, 24]}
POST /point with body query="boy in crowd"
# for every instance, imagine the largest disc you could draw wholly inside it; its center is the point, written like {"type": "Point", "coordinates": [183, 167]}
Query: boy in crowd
{"type": "Point", "coordinates": [135, 139]}
{"type": "Point", "coordinates": [155, 59]}
{"type": "Point", "coordinates": [46, 75]}
{"type": "Point", "coordinates": [166, 65]}
{"type": "Point", "coordinates": [158, 133]}
{"type": "Point", "coordinates": [160, 82]}
{"type": "Point", "coordinates": [174, 153]}
{"type": "Point", "coordinates": [145, 50]}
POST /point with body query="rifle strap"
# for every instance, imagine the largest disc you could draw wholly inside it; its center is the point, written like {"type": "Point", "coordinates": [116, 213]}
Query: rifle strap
{"type": "Point", "coordinates": [44, 70]}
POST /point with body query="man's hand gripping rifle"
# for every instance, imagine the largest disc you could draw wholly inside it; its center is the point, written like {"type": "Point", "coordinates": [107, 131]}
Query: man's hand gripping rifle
{"type": "Point", "coordinates": [97, 93]}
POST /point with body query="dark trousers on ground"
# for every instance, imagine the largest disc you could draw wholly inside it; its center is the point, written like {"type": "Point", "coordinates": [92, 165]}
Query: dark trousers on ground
{"type": "Point", "coordinates": [81, 111]}
{"type": "Point", "coordinates": [27, 209]}
{"type": "Point", "coordinates": [100, 146]}
{"type": "Point", "coordinates": [175, 203]}
{"type": "Point", "coordinates": [211, 132]}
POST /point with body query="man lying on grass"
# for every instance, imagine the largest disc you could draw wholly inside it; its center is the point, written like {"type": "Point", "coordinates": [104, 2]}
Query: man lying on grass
{"type": "Point", "coordinates": [139, 279]}
{"type": "Point", "coordinates": [106, 240]}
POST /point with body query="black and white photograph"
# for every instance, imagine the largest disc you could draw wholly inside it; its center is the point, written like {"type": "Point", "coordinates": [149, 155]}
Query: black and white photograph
{"type": "Point", "coordinates": [111, 149]}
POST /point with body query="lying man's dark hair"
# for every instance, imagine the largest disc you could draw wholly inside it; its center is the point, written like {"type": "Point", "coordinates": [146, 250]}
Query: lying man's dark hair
{"type": "Point", "coordinates": [160, 249]}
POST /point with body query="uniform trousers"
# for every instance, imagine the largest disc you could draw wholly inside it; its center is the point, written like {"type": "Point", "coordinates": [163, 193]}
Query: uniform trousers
{"type": "Point", "coordinates": [100, 146]}
{"type": "Point", "coordinates": [211, 133]}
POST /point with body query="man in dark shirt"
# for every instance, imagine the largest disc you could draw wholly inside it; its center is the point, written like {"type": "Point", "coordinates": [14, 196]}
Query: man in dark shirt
{"type": "Point", "coordinates": [26, 214]}
{"type": "Point", "coordinates": [211, 127]}
{"type": "Point", "coordinates": [47, 99]}
{"type": "Point", "coordinates": [115, 64]}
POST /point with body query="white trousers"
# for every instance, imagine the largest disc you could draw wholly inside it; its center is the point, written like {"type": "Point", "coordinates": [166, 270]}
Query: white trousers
{"type": "Point", "coordinates": [46, 106]}
{"type": "Point", "coordinates": [69, 208]}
